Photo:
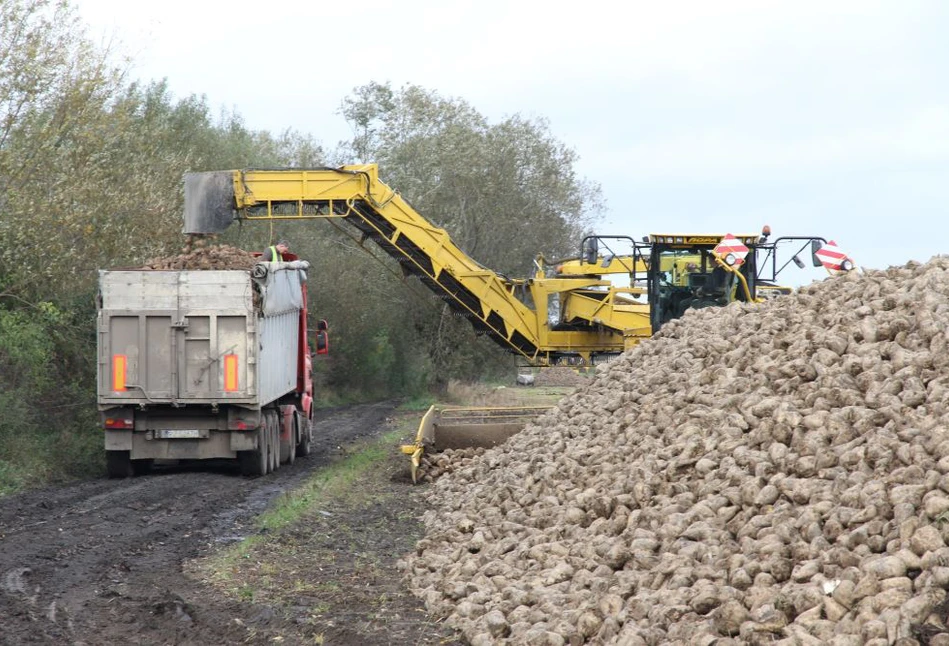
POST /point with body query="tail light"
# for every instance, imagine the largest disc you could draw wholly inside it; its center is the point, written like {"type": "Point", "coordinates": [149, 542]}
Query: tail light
{"type": "Point", "coordinates": [118, 422]}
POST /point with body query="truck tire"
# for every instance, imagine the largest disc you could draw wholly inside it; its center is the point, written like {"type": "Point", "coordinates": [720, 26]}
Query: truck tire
{"type": "Point", "coordinates": [268, 446]}
{"type": "Point", "coordinates": [294, 434]}
{"type": "Point", "coordinates": [274, 443]}
{"type": "Point", "coordinates": [254, 463]}
{"type": "Point", "coordinates": [306, 433]}
{"type": "Point", "coordinates": [119, 464]}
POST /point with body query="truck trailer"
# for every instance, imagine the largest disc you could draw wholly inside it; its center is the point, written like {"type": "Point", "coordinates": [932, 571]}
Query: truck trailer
{"type": "Point", "coordinates": [204, 364]}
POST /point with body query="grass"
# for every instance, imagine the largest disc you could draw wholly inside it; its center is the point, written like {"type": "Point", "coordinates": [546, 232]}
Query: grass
{"type": "Point", "coordinates": [242, 568]}
{"type": "Point", "coordinates": [330, 398]}
{"type": "Point", "coordinates": [478, 394]}
{"type": "Point", "coordinates": [31, 459]}
{"type": "Point", "coordinates": [418, 403]}
{"type": "Point", "coordinates": [335, 482]}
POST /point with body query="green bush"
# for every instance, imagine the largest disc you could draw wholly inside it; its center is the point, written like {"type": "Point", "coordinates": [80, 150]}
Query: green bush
{"type": "Point", "coordinates": [48, 427]}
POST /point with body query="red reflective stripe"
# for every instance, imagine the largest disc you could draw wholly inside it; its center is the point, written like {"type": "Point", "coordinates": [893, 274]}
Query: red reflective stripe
{"type": "Point", "coordinates": [732, 245]}
{"type": "Point", "coordinates": [119, 364]}
{"type": "Point", "coordinates": [831, 256]}
{"type": "Point", "coordinates": [230, 373]}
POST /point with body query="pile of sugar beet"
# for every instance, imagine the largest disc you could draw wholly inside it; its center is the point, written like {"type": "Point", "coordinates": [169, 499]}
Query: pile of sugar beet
{"type": "Point", "coordinates": [756, 474]}
{"type": "Point", "coordinates": [198, 254]}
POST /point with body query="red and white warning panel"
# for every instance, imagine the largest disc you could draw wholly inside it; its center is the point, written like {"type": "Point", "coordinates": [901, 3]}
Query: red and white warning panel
{"type": "Point", "coordinates": [833, 258]}
{"type": "Point", "coordinates": [730, 245]}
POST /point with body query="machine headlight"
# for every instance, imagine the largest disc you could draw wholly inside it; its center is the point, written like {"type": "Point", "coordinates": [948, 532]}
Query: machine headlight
{"type": "Point", "coordinates": [846, 265]}
{"type": "Point", "coordinates": [731, 259]}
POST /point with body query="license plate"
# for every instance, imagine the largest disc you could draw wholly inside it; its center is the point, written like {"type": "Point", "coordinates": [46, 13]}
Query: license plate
{"type": "Point", "coordinates": [179, 434]}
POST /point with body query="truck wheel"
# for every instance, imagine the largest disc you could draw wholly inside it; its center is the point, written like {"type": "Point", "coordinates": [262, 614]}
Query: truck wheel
{"type": "Point", "coordinates": [294, 434]}
{"type": "Point", "coordinates": [274, 444]}
{"type": "Point", "coordinates": [119, 464]}
{"type": "Point", "coordinates": [268, 446]}
{"type": "Point", "coordinates": [306, 432]}
{"type": "Point", "coordinates": [254, 463]}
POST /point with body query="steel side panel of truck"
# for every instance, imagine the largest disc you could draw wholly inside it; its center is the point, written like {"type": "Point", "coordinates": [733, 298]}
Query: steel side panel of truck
{"type": "Point", "coordinates": [186, 349]}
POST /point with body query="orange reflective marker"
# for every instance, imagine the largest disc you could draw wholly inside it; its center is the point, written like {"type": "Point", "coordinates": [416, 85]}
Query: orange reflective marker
{"type": "Point", "coordinates": [119, 363]}
{"type": "Point", "coordinates": [230, 373]}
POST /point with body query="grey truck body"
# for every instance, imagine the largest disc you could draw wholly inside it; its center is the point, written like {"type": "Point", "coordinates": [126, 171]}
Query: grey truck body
{"type": "Point", "coordinates": [173, 331]}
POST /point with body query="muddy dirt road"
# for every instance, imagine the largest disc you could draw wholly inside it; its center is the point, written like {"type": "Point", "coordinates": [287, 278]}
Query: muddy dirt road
{"type": "Point", "coordinates": [100, 562]}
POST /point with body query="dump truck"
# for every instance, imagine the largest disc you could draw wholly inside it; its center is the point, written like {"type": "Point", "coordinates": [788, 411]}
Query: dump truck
{"type": "Point", "coordinates": [202, 364]}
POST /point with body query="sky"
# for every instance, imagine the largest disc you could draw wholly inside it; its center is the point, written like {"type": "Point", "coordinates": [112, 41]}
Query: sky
{"type": "Point", "coordinates": [826, 118]}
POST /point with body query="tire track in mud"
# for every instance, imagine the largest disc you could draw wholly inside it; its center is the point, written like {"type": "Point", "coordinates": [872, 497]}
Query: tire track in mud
{"type": "Point", "coordinates": [99, 562]}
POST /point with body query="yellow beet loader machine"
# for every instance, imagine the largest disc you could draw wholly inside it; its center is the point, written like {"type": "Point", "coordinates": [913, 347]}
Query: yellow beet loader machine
{"type": "Point", "coordinates": [568, 313]}
{"type": "Point", "coordinates": [679, 272]}
{"type": "Point", "coordinates": [548, 319]}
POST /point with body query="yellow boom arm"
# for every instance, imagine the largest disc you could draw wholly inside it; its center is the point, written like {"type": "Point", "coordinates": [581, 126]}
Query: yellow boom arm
{"type": "Point", "coordinates": [594, 318]}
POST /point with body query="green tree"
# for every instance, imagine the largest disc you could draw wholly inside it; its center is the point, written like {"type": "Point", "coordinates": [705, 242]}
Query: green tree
{"type": "Point", "coordinates": [90, 177]}
{"type": "Point", "coordinates": [505, 192]}
{"type": "Point", "coordinates": [91, 169]}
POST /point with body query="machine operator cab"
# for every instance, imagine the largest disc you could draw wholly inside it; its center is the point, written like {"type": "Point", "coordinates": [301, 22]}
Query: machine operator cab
{"type": "Point", "coordinates": [684, 272]}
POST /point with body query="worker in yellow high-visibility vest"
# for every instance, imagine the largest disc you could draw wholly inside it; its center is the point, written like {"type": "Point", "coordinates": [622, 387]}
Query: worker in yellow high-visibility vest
{"type": "Point", "coordinates": [274, 253]}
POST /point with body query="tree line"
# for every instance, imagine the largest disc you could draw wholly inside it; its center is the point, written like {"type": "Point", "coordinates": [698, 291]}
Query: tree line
{"type": "Point", "coordinates": [91, 167]}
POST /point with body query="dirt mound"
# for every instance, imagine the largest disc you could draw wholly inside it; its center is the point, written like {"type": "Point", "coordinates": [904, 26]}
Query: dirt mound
{"type": "Point", "coordinates": [560, 377]}
{"type": "Point", "coordinates": [773, 473]}
{"type": "Point", "coordinates": [197, 256]}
